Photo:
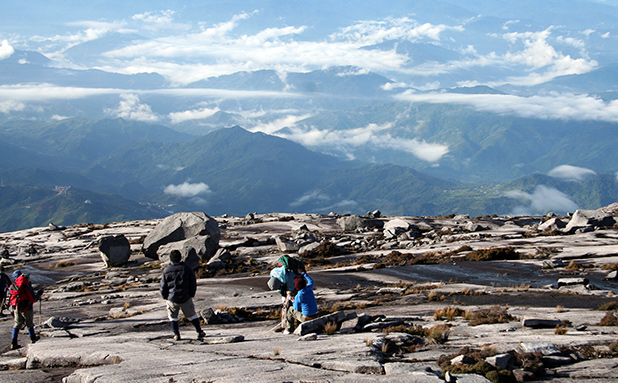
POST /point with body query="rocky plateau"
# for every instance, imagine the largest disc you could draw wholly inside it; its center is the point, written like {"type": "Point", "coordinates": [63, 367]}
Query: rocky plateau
{"type": "Point", "coordinates": [402, 299]}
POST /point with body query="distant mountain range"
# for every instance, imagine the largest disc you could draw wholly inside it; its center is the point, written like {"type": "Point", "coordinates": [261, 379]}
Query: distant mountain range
{"type": "Point", "coordinates": [139, 170]}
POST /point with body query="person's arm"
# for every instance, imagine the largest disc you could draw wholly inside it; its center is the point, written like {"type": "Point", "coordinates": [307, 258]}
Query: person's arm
{"type": "Point", "coordinates": [164, 288]}
{"type": "Point", "coordinates": [192, 281]}
{"type": "Point", "coordinates": [309, 279]}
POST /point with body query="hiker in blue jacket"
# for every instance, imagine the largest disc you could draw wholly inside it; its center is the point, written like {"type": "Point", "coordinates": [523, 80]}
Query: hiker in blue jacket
{"type": "Point", "coordinates": [305, 306]}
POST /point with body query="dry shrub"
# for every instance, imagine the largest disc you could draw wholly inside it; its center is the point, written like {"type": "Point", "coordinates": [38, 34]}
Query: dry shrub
{"type": "Point", "coordinates": [609, 306]}
{"type": "Point", "coordinates": [433, 296]}
{"type": "Point", "coordinates": [330, 328]}
{"type": "Point", "coordinates": [610, 319]}
{"type": "Point", "coordinates": [448, 313]}
{"type": "Point", "coordinates": [611, 267]}
{"type": "Point", "coordinates": [439, 334]}
{"type": "Point", "coordinates": [574, 266]}
{"type": "Point", "coordinates": [65, 264]}
{"type": "Point", "coordinates": [560, 330]}
{"type": "Point", "coordinates": [613, 348]}
{"type": "Point", "coordinates": [495, 314]}
{"type": "Point", "coordinates": [493, 254]}
{"type": "Point", "coordinates": [416, 329]}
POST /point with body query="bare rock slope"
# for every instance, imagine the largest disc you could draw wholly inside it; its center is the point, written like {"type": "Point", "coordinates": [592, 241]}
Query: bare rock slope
{"type": "Point", "coordinates": [419, 299]}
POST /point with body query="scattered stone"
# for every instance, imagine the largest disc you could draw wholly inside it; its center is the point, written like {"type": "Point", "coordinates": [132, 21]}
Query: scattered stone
{"type": "Point", "coordinates": [308, 337]}
{"type": "Point", "coordinates": [543, 348]}
{"type": "Point", "coordinates": [115, 250]}
{"type": "Point", "coordinates": [532, 322]}
{"type": "Point", "coordinates": [502, 361]}
{"type": "Point", "coordinates": [572, 281]}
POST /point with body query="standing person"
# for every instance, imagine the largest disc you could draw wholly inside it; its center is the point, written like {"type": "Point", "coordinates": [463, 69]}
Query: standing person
{"type": "Point", "coordinates": [5, 282]}
{"type": "Point", "coordinates": [22, 298]}
{"type": "Point", "coordinates": [178, 286]}
{"type": "Point", "coordinates": [305, 307]}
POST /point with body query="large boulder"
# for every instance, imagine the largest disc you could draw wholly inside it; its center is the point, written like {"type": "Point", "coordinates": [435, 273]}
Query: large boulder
{"type": "Point", "coordinates": [394, 227]}
{"type": "Point", "coordinates": [115, 250]}
{"type": "Point", "coordinates": [356, 222]}
{"type": "Point", "coordinates": [193, 250]}
{"type": "Point", "coordinates": [583, 219]}
{"type": "Point", "coordinates": [179, 227]}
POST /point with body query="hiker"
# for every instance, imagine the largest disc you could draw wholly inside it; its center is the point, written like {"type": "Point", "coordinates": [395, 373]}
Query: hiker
{"type": "Point", "coordinates": [22, 298]}
{"type": "Point", "coordinates": [305, 307]}
{"type": "Point", "coordinates": [5, 282]}
{"type": "Point", "coordinates": [178, 286]}
{"type": "Point", "coordinates": [32, 250]}
{"type": "Point", "coordinates": [282, 280]}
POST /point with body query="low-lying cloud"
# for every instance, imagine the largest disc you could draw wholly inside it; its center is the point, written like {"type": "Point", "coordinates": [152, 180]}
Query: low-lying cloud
{"type": "Point", "coordinates": [558, 107]}
{"type": "Point", "coordinates": [542, 201]}
{"type": "Point", "coordinates": [195, 114]}
{"type": "Point", "coordinates": [130, 108]}
{"type": "Point", "coordinates": [571, 173]}
{"type": "Point", "coordinates": [6, 50]}
{"type": "Point", "coordinates": [187, 189]}
{"type": "Point", "coordinates": [372, 135]}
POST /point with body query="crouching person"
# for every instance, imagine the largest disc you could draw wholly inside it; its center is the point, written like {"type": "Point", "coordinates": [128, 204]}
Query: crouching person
{"type": "Point", "coordinates": [22, 296]}
{"type": "Point", "coordinates": [304, 307]}
{"type": "Point", "coordinates": [178, 286]}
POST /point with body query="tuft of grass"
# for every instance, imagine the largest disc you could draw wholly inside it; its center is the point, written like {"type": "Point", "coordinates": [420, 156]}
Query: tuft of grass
{"type": "Point", "coordinates": [560, 330]}
{"type": "Point", "coordinates": [368, 342]}
{"type": "Point", "coordinates": [609, 306]}
{"type": "Point", "coordinates": [559, 309]}
{"type": "Point", "coordinates": [448, 313]}
{"type": "Point", "coordinates": [610, 319]}
{"type": "Point", "coordinates": [495, 314]}
{"type": "Point", "coordinates": [65, 264]}
{"type": "Point", "coordinates": [330, 328]}
{"type": "Point", "coordinates": [439, 334]}
{"type": "Point", "coordinates": [493, 254]}
{"type": "Point", "coordinates": [277, 351]}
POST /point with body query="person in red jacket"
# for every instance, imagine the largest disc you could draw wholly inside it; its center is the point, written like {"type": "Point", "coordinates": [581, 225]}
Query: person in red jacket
{"type": "Point", "coordinates": [22, 296]}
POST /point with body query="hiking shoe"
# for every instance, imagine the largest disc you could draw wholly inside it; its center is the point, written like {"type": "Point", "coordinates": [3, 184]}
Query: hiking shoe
{"type": "Point", "coordinates": [286, 332]}
{"type": "Point", "coordinates": [15, 346]}
{"type": "Point", "coordinates": [35, 339]}
{"type": "Point", "coordinates": [176, 337]}
{"type": "Point", "coordinates": [200, 336]}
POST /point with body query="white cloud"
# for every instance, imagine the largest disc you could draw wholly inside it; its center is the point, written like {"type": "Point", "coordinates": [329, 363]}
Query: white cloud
{"type": "Point", "coordinates": [371, 135]}
{"type": "Point", "coordinates": [130, 108]}
{"type": "Point", "coordinates": [375, 32]}
{"type": "Point", "coordinates": [559, 107]}
{"type": "Point", "coordinates": [571, 173]}
{"type": "Point", "coordinates": [45, 92]}
{"type": "Point", "coordinates": [280, 123]}
{"type": "Point", "coordinates": [187, 189]}
{"type": "Point", "coordinates": [541, 201]}
{"type": "Point", "coordinates": [11, 106]}
{"type": "Point", "coordinates": [315, 195]}
{"type": "Point", "coordinates": [158, 20]}
{"type": "Point", "coordinates": [6, 50]}
{"type": "Point", "coordinates": [195, 114]}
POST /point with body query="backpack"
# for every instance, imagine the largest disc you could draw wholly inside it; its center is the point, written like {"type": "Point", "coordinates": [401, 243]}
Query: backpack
{"type": "Point", "coordinates": [19, 296]}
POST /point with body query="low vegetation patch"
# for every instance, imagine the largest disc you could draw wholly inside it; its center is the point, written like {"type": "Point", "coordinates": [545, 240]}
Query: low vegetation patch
{"type": "Point", "coordinates": [610, 319]}
{"type": "Point", "coordinates": [448, 313]}
{"type": "Point", "coordinates": [495, 314]}
{"type": "Point", "coordinates": [493, 254]}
